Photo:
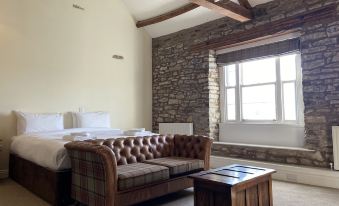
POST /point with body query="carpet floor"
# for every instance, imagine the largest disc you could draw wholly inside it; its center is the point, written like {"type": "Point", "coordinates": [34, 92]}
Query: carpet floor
{"type": "Point", "coordinates": [284, 194]}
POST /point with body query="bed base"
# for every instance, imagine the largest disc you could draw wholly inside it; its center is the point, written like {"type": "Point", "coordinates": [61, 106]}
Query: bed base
{"type": "Point", "coordinates": [52, 186]}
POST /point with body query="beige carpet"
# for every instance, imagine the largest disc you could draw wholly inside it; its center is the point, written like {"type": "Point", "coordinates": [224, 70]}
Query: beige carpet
{"type": "Point", "coordinates": [285, 194]}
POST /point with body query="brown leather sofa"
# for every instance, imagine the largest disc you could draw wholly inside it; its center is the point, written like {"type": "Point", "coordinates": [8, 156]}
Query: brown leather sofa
{"type": "Point", "coordinates": [127, 171]}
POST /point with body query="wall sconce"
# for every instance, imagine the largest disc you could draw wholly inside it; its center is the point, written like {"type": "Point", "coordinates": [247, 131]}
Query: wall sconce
{"type": "Point", "coordinates": [118, 57]}
{"type": "Point", "coordinates": [76, 6]}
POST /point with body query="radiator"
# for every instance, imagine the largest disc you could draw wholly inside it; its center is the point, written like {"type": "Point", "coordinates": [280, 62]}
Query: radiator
{"type": "Point", "coordinates": [287, 173]}
{"type": "Point", "coordinates": [335, 138]}
{"type": "Point", "coordinates": [176, 128]}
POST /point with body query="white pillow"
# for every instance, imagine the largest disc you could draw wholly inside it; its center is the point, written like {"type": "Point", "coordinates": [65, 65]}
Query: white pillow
{"type": "Point", "coordinates": [30, 122]}
{"type": "Point", "coordinates": [91, 119]}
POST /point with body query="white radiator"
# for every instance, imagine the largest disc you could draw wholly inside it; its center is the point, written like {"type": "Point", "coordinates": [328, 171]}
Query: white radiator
{"type": "Point", "coordinates": [289, 173]}
{"type": "Point", "coordinates": [176, 128]}
{"type": "Point", "coordinates": [335, 138]}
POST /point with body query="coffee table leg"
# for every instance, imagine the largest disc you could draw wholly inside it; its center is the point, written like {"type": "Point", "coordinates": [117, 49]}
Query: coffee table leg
{"type": "Point", "coordinates": [271, 190]}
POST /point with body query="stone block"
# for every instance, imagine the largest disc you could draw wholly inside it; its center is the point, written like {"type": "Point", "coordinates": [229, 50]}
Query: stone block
{"type": "Point", "coordinates": [333, 29]}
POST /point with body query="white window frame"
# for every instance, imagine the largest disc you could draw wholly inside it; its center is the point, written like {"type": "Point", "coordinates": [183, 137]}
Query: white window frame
{"type": "Point", "coordinates": [279, 94]}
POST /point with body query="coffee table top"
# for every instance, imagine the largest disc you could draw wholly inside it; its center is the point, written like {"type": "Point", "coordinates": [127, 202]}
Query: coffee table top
{"type": "Point", "coordinates": [232, 175]}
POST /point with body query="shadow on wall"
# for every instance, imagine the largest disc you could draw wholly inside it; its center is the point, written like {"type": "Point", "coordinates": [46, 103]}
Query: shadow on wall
{"type": "Point", "coordinates": [7, 125]}
{"type": "Point", "coordinates": [68, 120]}
{"type": "Point", "coordinates": [7, 130]}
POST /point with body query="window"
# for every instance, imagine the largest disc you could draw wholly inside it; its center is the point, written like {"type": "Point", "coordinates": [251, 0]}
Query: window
{"type": "Point", "coordinates": [263, 90]}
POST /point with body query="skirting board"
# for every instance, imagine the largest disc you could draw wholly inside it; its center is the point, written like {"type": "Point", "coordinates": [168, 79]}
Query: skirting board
{"type": "Point", "coordinates": [288, 173]}
{"type": "Point", "coordinates": [3, 174]}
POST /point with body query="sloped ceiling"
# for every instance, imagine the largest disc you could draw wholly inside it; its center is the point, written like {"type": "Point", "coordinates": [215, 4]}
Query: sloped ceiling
{"type": "Point", "coordinates": [144, 9]}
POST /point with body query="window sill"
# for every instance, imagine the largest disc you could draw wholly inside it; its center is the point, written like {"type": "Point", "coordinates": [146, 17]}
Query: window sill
{"type": "Point", "coordinates": [264, 146]}
{"type": "Point", "coordinates": [265, 123]}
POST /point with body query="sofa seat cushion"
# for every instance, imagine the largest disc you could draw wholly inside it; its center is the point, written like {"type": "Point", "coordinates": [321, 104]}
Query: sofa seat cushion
{"type": "Point", "coordinates": [138, 174]}
{"type": "Point", "coordinates": [178, 165]}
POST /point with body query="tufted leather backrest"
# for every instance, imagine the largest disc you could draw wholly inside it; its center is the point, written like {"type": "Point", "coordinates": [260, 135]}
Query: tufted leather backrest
{"type": "Point", "coordinates": [191, 146]}
{"type": "Point", "coordinates": [137, 149]}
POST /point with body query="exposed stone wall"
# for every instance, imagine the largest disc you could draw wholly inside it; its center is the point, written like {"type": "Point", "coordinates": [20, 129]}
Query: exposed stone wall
{"type": "Point", "coordinates": [214, 96]}
{"type": "Point", "coordinates": [180, 85]}
{"type": "Point", "coordinates": [277, 155]}
{"type": "Point", "coordinates": [320, 60]}
{"type": "Point", "coordinates": [185, 83]}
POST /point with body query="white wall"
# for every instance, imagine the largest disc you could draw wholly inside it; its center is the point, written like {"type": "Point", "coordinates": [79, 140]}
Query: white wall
{"type": "Point", "coordinates": [54, 58]}
{"type": "Point", "coordinates": [262, 134]}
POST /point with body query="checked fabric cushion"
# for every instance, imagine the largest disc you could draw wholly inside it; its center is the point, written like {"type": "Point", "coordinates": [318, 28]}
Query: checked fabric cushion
{"type": "Point", "coordinates": [178, 165]}
{"type": "Point", "coordinates": [138, 174]}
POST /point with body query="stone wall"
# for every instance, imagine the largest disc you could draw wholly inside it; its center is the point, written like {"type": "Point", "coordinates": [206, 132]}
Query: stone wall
{"type": "Point", "coordinates": [180, 85]}
{"type": "Point", "coordinates": [214, 97]}
{"type": "Point", "coordinates": [186, 83]}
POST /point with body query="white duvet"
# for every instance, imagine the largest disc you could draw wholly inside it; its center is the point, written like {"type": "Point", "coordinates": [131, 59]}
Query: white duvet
{"type": "Point", "coordinates": [47, 148]}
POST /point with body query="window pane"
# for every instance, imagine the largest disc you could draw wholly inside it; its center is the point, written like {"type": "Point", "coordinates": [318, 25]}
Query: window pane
{"type": "Point", "coordinates": [259, 71]}
{"type": "Point", "coordinates": [288, 67]}
{"type": "Point", "coordinates": [231, 104]}
{"type": "Point", "coordinates": [259, 102]}
{"type": "Point", "coordinates": [289, 101]}
{"type": "Point", "coordinates": [230, 78]}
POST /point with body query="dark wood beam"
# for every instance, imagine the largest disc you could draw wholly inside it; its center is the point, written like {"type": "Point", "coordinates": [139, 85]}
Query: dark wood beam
{"type": "Point", "coordinates": [272, 28]}
{"type": "Point", "coordinates": [279, 34]}
{"type": "Point", "coordinates": [245, 4]}
{"type": "Point", "coordinates": [226, 8]}
{"type": "Point", "coordinates": [167, 15]}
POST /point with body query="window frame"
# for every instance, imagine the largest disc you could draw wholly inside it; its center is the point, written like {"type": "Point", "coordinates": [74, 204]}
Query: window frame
{"type": "Point", "coordinates": [279, 98]}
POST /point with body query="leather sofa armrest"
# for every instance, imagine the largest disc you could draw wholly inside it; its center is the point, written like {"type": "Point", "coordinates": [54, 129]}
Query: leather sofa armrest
{"type": "Point", "coordinates": [94, 173]}
{"type": "Point", "coordinates": [198, 147]}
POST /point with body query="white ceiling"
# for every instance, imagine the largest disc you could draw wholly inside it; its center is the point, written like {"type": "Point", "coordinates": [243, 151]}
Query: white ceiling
{"type": "Point", "coordinates": [144, 9]}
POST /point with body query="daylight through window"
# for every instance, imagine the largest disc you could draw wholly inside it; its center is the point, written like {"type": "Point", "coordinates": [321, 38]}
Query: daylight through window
{"type": "Point", "coordinates": [265, 89]}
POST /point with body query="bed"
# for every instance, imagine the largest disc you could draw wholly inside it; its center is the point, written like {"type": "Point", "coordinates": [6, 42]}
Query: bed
{"type": "Point", "coordinates": [39, 162]}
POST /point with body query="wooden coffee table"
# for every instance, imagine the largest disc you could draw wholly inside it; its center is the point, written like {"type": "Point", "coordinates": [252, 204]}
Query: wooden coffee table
{"type": "Point", "coordinates": [234, 185]}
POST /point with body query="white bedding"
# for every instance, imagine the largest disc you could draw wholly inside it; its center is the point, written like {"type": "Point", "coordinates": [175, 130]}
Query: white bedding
{"type": "Point", "coordinates": [47, 148]}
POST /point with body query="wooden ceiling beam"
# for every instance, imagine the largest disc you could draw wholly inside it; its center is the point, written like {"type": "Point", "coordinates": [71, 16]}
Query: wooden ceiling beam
{"type": "Point", "coordinates": [226, 8]}
{"type": "Point", "coordinates": [245, 4]}
{"type": "Point", "coordinates": [272, 28]}
{"type": "Point", "coordinates": [167, 15]}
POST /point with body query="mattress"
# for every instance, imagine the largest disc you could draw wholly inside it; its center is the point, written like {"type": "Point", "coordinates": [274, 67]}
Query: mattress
{"type": "Point", "coordinates": [47, 148]}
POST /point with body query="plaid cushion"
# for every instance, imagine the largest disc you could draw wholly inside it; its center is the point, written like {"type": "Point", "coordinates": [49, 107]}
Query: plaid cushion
{"type": "Point", "coordinates": [178, 165]}
{"type": "Point", "coordinates": [138, 174]}
{"type": "Point", "coordinates": [88, 178]}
